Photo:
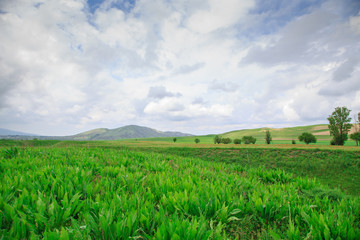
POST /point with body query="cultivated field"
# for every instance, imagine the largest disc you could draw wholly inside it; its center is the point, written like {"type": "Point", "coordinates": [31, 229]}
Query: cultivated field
{"type": "Point", "coordinates": [151, 190]}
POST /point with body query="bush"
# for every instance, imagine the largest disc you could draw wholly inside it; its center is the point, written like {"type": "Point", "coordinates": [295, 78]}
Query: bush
{"type": "Point", "coordinates": [197, 140]}
{"type": "Point", "coordinates": [356, 137]}
{"type": "Point", "coordinates": [248, 139]}
{"type": "Point", "coordinates": [293, 142]}
{"type": "Point", "coordinates": [307, 138]}
{"type": "Point", "coordinates": [225, 140]}
{"type": "Point", "coordinates": [237, 141]}
{"type": "Point", "coordinates": [174, 139]}
{"type": "Point", "coordinates": [268, 137]}
{"type": "Point", "coordinates": [217, 139]}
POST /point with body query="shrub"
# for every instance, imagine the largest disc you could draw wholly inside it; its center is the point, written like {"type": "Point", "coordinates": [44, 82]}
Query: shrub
{"type": "Point", "coordinates": [237, 141]}
{"type": "Point", "coordinates": [197, 140]}
{"type": "Point", "coordinates": [174, 139]}
{"type": "Point", "coordinates": [293, 142]}
{"type": "Point", "coordinates": [307, 138]}
{"type": "Point", "coordinates": [225, 140]}
{"type": "Point", "coordinates": [248, 139]}
{"type": "Point", "coordinates": [217, 139]}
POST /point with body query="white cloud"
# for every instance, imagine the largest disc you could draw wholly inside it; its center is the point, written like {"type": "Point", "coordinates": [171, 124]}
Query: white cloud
{"type": "Point", "coordinates": [64, 69]}
{"type": "Point", "coordinates": [219, 14]}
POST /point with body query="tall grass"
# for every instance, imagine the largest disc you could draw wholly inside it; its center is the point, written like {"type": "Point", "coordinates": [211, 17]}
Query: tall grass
{"type": "Point", "coordinates": [97, 193]}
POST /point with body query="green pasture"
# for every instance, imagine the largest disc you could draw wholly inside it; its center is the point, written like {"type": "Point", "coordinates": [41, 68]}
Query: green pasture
{"type": "Point", "coordinates": [130, 190]}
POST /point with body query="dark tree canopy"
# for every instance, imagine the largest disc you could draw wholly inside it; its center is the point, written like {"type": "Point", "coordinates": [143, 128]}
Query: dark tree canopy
{"type": "Point", "coordinates": [356, 137]}
{"type": "Point", "coordinates": [307, 138]}
{"type": "Point", "coordinates": [237, 141]}
{"type": "Point", "coordinates": [268, 137]}
{"type": "Point", "coordinates": [248, 139]}
{"type": "Point", "coordinates": [217, 139]}
{"type": "Point", "coordinates": [225, 140]}
{"type": "Point", "coordinates": [339, 125]}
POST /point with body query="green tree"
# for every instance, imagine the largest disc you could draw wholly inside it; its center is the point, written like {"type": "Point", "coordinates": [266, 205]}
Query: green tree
{"type": "Point", "coordinates": [237, 141]}
{"type": "Point", "coordinates": [307, 138]}
{"type": "Point", "coordinates": [248, 139]}
{"type": "Point", "coordinates": [217, 139]}
{"type": "Point", "coordinates": [174, 139]}
{"type": "Point", "coordinates": [268, 137]}
{"type": "Point", "coordinates": [197, 140]}
{"type": "Point", "coordinates": [356, 135]}
{"type": "Point", "coordinates": [225, 140]}
{"type": "Point", "coordinates": [339, 125]}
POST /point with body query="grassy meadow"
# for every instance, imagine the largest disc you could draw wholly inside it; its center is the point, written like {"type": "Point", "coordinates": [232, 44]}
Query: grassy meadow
{"type": "Point", "coordinates": [140, 189]}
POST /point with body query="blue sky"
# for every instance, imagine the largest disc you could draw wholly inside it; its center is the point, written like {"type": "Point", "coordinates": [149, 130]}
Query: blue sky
{"type": "Point", "coordinates": [196, 66]}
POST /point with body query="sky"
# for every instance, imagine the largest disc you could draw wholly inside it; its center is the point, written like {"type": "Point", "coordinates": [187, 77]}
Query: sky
{"type": "Point", "coordinates": [194, 66]}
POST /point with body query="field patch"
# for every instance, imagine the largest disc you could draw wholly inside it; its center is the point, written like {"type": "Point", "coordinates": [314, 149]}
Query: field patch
{"type": "Point", "coordinates": [111, 193]}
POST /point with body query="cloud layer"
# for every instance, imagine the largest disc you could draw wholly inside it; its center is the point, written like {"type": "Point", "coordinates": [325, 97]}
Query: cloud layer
{"type": "Point", "coordinates": [198, 66]}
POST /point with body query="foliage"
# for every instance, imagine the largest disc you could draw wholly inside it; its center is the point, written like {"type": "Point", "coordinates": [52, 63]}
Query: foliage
{"type": "Point", "coordinates": [217, 139]}
{"type": "Point", "coordinates": [336, 168]}
{"type": "Point", "coordinates": [307, 138]}
{"type": "Point", "coordinates": [268, 137]}
{"type": "Point", "coordinates": [237, 141]}
{"type": "Point", "coordinates": [356, 137]}
{"type": "Point", "coordinates": [197, 140]}
{"type": "Point", "coordinates": [174, 139]}
{"type": "Point", "coordinates": [10, 153]}
{"type": "Point", "coordinates": [339, 125]}
{"type": "Point", "coordinates": [293, 142]}
{"type": "Point", "coordinates": [225, 140]}
{"type": "Point", "coordinates": [248, 139]}
{"type": "Point", "coordinates": [105, 193]}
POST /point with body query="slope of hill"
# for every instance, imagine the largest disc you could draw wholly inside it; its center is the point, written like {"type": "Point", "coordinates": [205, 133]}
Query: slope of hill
{"type": "Point", "coordinates": [130, 131]}
{"type": "Point", "coordinates": [321, 131]}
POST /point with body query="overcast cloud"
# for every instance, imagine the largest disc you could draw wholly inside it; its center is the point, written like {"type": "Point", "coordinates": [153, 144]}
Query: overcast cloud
{"type": "Point", "coordinates": [196, 66]}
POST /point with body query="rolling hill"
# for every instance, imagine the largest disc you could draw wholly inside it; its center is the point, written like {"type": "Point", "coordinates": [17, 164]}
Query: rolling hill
{"type": "Point", "coordinates": [130, 131]}
{"type": "Point", "coordinates": [321, 132]}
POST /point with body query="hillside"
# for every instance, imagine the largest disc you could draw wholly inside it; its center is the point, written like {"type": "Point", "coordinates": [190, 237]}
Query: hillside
{"type": "Point", "coordinates": [321, 131]}
{"type": "Point", "coordinates": [130, 131]}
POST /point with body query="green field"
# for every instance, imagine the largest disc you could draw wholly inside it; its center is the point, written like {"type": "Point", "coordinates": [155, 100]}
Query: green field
{"type": "Point", "coordinates": [151, 190]}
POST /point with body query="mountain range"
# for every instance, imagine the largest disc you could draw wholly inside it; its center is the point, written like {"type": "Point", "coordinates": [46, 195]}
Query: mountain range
{"type": "Point", "coordinates": [130, 131]}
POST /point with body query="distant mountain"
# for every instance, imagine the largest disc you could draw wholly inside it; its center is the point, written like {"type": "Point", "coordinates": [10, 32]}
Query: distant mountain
{"type": "Point", "coordinates": [6, 132]}
{"type": "Point", "coordinates": [130, 131]}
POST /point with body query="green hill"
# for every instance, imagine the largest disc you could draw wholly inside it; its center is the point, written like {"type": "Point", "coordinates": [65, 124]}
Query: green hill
{"type": "Point", "coordinates": [130, 131]}
{"type": "Point", "coordinates": [321, 132]}
{"type": "Point", "coordinates": [280, 135]}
